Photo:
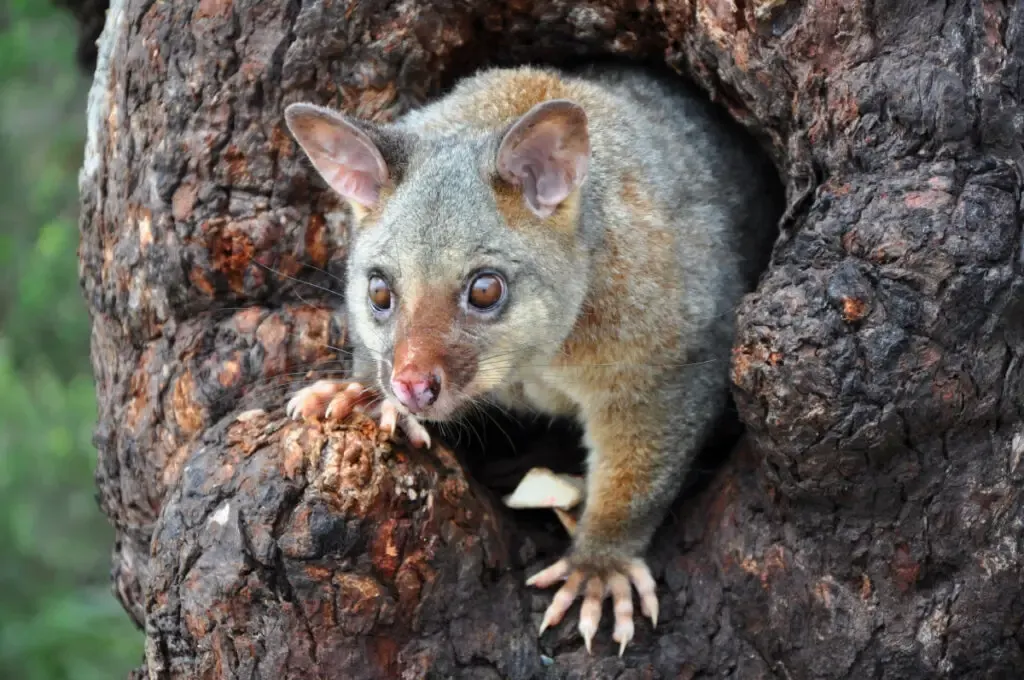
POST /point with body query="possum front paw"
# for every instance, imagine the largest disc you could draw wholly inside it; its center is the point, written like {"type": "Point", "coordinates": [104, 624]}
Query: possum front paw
{"type": "Point", "coordinates": [336, 400]}
{"type": "Point", "coordinates": [598, 584]}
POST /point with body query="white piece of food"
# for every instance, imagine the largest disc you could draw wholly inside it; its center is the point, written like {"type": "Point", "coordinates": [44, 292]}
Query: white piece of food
{"type": "Point", "coordinates": [542, 488]}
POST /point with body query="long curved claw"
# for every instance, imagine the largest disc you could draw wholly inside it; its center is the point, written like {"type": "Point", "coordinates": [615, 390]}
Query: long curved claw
{"type": "Point", "coordinates": [561, 602]}
{"type": "Point", "coordinates": [342, 404]}
{"type": "Point", "coordinates": [388, 418]}
{"type": "Point", "coordinates": [548, 577]}
{"type": "Point", "coordinates": [642, 580]}
{"type": "Point", "coordinates": [590, 610]}
{"type": "Point", "coordinates": [310, 402]}
{"type": "Point", "coordinates": [622, 603]}
{"type": "Point", "coordinates": [417, 434]}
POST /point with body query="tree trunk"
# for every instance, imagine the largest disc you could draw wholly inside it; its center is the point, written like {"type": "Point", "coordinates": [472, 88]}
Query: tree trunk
{"type": "Point", "coordinates": [872, 526]}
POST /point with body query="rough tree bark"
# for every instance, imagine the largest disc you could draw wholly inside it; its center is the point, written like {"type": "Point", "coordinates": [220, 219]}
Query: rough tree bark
{"type": "Point", "coordinates": [873, 529]}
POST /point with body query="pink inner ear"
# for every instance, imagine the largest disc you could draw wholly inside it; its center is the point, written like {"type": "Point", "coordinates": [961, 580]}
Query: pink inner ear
{"type": "Point", "coordinates": [553, 186]}
{"type": "Point", "coordinates": [547, 153]}
{"type": "Point", "coordinates": [543, 191]}
{"type": "Point", "coordinates": [343, 154]}
{"type": "Point", "coordinates": [351, 164]}
{"type": "Point", "coordinates": [359, 187]}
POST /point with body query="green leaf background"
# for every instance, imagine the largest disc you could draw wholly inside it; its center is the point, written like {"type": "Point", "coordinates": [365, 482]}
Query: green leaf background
{"type": "Point", "coordinates": [58, 618]}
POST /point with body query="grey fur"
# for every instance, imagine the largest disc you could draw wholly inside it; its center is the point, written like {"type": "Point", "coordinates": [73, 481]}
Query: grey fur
{"type": "Point", "coordinates": [442, 222]}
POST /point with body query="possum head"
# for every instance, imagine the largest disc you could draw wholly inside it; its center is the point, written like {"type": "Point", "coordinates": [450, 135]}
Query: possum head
{"type": "Point", "coordinates": [466, 267]}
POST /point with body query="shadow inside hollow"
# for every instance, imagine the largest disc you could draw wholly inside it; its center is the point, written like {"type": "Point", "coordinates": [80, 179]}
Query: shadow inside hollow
{"type": "Point", "coordinates": [498, 449]}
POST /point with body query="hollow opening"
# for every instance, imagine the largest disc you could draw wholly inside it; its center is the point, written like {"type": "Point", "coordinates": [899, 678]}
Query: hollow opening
{"type": "Point", "coordinates": [498, 449]}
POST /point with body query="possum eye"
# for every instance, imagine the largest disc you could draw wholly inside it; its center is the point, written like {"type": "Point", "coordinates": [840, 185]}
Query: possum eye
{"type": "Point", "coordinates": [379, 293]}
{"type": "Point", "coordinates": [486, 292]}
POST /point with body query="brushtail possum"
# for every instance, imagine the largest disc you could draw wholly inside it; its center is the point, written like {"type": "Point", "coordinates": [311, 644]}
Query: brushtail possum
{"type": "Point", "coordinates": [568, 242]}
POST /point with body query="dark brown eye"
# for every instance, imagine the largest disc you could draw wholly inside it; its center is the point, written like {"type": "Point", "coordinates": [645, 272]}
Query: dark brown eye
{"type": "Point", "coordinates": [486, 292]}
{"type": "Point", "coordinates": [380, 294]}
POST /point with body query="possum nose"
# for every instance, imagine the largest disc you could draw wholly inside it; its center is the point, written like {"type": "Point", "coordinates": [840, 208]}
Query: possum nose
{"type": "Point", "coordinates": [417, 390]}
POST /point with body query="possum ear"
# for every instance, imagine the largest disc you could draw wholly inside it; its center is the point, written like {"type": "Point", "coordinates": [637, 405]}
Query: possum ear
{"type": "Point", "coordinates": [546, 153]}
{"type": "Point", "coordinates": [341, 152]}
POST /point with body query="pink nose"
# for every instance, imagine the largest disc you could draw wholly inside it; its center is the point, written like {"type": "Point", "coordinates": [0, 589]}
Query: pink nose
{"type": "Point", "coordinates": [417, 391]}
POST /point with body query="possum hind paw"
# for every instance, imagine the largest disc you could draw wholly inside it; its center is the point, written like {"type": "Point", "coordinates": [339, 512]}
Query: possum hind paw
{"type": "Point", "coordinates": [595, 589]}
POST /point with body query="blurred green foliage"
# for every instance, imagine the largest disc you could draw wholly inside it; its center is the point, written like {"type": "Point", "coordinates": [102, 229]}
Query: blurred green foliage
{"type": "Point", "coordinates": [57, 616]}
